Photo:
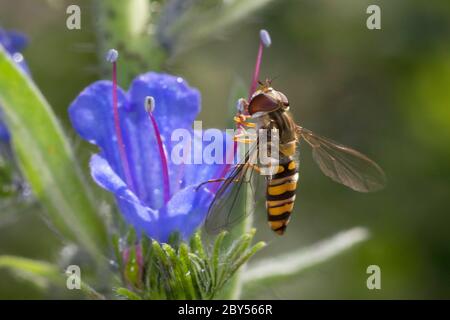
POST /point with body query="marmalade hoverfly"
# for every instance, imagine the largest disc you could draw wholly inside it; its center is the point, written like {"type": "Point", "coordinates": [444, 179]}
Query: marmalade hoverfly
{"type": "Point", "coordinates": [269, 109]}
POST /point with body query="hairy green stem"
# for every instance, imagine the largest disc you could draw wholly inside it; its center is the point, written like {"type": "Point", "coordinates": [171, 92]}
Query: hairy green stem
{"type": "Point", "coordinates": [128, 26]}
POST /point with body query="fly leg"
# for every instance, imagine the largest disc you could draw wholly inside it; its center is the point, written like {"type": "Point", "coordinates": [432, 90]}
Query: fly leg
{"type": "Point", "coordinates": [241, 120]}
{"type": "Point", "coordinates": [217, 180]}
{"type": "Point", "coordinates": [242, 115]}
{"type": "Point", "coordinates": [255, 167]}
{"type": "Point", "coordinates": [245, 137]}
{"type": "Point", "coordinates": [213, 181]}
{"type": "Point", "coordinates": [242, 123]}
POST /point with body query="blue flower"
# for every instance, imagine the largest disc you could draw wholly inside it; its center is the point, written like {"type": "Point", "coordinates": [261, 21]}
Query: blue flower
{"type": "Point", "coordinates": [141, 200]}
{"type": "Point", "coordinates": [13, 42]}
{"type": "Point", "coordinates": [4, 133]}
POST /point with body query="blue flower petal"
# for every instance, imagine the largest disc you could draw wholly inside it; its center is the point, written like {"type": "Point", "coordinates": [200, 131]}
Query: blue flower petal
{"type": "Point", "coordinates": [134, 212]}
{"type": "Point", "coordinates": [92, 117]}
{"type": "Point", "coordinates": [4, 133]}
{"type": "Point", "coordinates": [176, 104]}
{"type": "Point", "coordinates": [184, 212]}
{"type": "Point", "coordinates": [13, 41]}
{"type": "Point", "coordinates": [176, 107]}
{"type": "Point", "coordinates": [195, 174]}
{"type": "Point", "coordinates": [142, 203]}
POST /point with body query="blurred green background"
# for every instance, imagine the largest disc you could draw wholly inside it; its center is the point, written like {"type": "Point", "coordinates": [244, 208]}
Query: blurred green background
{"type": "Point", "coordinates": [385, 92]}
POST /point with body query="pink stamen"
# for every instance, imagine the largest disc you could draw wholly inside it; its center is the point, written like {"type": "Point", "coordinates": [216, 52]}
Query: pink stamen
{"type": "Point", "coordinates": [256, 72]}
{"type": "Point", "coordinates": [118, 129]}
{"type": "Point", "coordinates": [149, 105]}
{"type": "Point", "coordinates": [264, 41]}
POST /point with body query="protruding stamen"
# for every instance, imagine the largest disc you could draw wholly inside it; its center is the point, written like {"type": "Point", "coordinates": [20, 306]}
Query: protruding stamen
{"type": "Point", "coordinates": [265, 38]}
{"type": "Point", "coordinates": [149, 108]}
{"type": "Point", "coordinates": [264, 41]}
{"type": "Point", "coordinates": [149, 104]}
{"type": "Point", "coordinates": [112, 57]}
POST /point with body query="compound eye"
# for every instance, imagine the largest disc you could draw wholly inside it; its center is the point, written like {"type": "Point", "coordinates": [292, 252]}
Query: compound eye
{"type": "Point", "coordinates": [262, 103]}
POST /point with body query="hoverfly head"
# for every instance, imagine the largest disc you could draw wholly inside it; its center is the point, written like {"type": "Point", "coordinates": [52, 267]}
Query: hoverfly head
{"type": "Point", "coordinates": [267, 100]}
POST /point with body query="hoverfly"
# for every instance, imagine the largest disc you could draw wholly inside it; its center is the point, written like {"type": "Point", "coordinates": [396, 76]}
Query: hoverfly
{"type": "Point", "coordinates": [269, 110]}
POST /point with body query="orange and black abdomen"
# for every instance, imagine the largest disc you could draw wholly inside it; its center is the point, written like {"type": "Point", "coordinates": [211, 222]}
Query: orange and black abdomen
{"type": "Point", "coordinates": [280, 194]}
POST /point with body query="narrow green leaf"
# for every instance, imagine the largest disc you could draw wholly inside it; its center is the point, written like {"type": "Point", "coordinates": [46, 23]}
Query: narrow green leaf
{"type": "Point", "coordinates": [130, 295]}
{"type": "Point", "coordinates": [178, 277]}
{"type": "Point", "coordinates": [243, 259]}
{"type": "Point", "coordinates": [131, 237]}
{"type": "Point", "coordinates": [166, 272]}
{"type": "Point", "coordinates": [117, 252]}
{"type": "Point", "coordinates": [38, 272]}
{"type": "Point", "coordinates": [240, 245]}
{"type": "Point", "coordinates": [186, 269]}
{"type": "Point", "coordinates": [292, 263]}
{"type": "Point", "coordinates": [47, 159]}
{"type": "Point", "coordinates": [197, 245]}
{"type": "Point", "coordinates": [200, 276]}
{"type": "Point", "coordinates": [132, 270]}
{"type": "Point", "coordinates": [216, 258]}
{"type": "Point", "coordinates": [42, 273]}
{"type": "Point", "coordinates": [90, 292]}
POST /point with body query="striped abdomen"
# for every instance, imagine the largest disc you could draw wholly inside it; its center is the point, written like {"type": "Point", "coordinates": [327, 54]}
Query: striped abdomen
{"type": "Point", "coordinates": [280, 194]}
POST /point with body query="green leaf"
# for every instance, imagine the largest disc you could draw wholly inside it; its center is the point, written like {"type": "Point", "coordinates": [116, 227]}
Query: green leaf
{"type": "Point", "coordinates": [197, 245]}
{"type": "Point", "coordinates": [179, 288]}
{"type": "Point", "coordinates": [132, 269]}
{"type": "Point", "coordinates": [47, 159]}
{"type": "Point", "coordinates": [190, 271]}
{"type": "Point", "coordinates": [38, 272]}
{"type": "Point", "coordinates": [42, 273]}
{"type": "Point", "coordinates": [186, 266]}
{"type": "Point", "coordinates": [117, 252]}
{"type": "Point", "coordinates": [216, 256]}
{"type": "Point", "coordinates": [127, 294]}
{"type": "Point", "coordinates": [235, 258]}
{"type": "Point", "coordinates": [293, 263]}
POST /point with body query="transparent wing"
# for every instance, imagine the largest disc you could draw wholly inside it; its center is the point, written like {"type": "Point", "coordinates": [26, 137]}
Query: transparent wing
{"type": "Point", "coordinates": [232, 203]}
{"type": "Point", "coordinates": [343, 164]}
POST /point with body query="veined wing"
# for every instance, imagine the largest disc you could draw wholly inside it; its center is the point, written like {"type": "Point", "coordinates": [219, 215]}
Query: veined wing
{"type": "Point", "coordinates": [343, 164]}
{"type": "Point", "coordinates": [232, 203]}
